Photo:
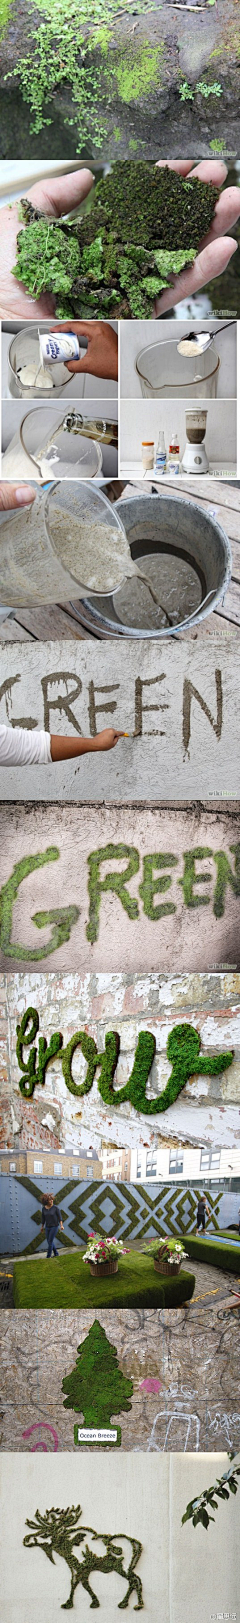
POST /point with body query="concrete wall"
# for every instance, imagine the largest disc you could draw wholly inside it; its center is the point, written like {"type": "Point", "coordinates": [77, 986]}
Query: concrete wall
{"type": "Point", "coordinates": [135, 1213]}
{"type": "Point", "coordinates": [184, 1368]}
{"type": "Point", "coordinates": [158, 920]}
{"type": "Point", "coordinates": [184, 1573]}
{"type": "Point", "coordinates": [137, 335]}
{"type": "Point", "coordinates": [180, 699]}
{"type": "Point", "coordinates": [207, 1110]}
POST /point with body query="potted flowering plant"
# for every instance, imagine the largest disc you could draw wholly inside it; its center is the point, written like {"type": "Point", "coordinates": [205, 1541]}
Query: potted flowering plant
{"type": "Point", "coordinates": [102, 1254]}
{"type": "Point", "coordinates": [168, 1256]}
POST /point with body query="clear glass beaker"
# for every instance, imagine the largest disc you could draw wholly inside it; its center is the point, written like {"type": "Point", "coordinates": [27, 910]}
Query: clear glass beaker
{"type": "Point", "coordinates": [42, 441]}
{"type": "Point", "coordinates": [24, 351]}
{"type": "Point", "coordinates": [164, 374]}
{"type": "Point", "coordinates": [69, 539]}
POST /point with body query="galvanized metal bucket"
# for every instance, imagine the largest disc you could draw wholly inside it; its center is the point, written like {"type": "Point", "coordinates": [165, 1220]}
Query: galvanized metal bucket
{"type": "Point", "coordinates": [189, 530]}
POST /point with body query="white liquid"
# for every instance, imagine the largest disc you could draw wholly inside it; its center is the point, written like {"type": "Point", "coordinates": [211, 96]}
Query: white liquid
{"type": "Point", "coordinates": [96, 554]}
{"type": "Point", "coordinates": [176, 586]}
{"type": "Point", "coordinates": [33, 377]}
{"type": "Point", "coordinates": [17, 465]}
{"type": "Point", "coordinates": [83, 553]}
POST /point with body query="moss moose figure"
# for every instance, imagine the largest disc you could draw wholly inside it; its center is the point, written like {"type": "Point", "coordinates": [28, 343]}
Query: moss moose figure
{"type": "Point", "coordinates": [59, 1530]}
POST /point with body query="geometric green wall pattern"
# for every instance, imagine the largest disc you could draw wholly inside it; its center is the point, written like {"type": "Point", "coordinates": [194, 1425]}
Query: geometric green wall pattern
{"type": "Point", "coordinates": [130, 1211]}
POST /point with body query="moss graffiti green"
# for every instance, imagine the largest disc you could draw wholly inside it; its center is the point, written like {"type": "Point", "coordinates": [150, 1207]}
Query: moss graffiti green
{"type": "Point", "coordinates": [150, 885]}
{"type": "Point", "coordinates": [183, 1050]}
{"type": "Point", "coordinates": [113, 882]}
{"type": "Point", "coordinates": [61, 919]}
{"type": "Point", "coordinates": [96, 1388]}
{"type": "Point", "coordinates": [116, 884]}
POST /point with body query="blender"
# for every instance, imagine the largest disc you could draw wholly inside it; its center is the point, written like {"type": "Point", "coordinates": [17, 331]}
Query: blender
{"type": "Point", "coordinates": [195, 459]}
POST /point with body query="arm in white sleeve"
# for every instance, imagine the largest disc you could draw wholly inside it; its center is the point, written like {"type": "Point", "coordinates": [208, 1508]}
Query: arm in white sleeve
{"type": "Point", "coordinates": [20, 747]}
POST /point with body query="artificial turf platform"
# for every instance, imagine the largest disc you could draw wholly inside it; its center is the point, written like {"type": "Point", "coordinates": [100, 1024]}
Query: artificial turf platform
{"type": "Point", "coordinates": [219, 1252]}
{"type": "Point", "coordinates": [67, 1282]}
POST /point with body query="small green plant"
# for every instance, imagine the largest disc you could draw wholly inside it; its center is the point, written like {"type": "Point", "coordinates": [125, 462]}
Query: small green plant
{"type": "Point", "coordinates": [185, 92]}
{"type": "Point", "coordinates": [201, 88]}
{"type": "Point", "coordinates": [209, 90]}
{"type": "Point", "coordinates": [217, 147]}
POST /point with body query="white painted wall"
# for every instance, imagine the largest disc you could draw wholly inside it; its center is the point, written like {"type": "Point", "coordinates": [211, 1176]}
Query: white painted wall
{"type": "Point", "coordinates": [143, 420]}
{"type": "Point", "coordinates": [186, 1573]}
{"type": "Point", "coordinates": [135, 335]}
{"type": "Point", "coordinates": [55, 685]}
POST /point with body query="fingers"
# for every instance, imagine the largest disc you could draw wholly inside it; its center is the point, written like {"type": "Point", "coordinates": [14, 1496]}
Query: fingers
{"type": "Point", "coordinates": [226, 213]}
{"type": "Point", "coordinates": [15, 496]}
{"type": "Point", "coordinates": [212, 170]}
{"type": "Point", "coordinates": [63, 194]}
{"type": "Point", "coordinates": [181, 165]}
{"type": "Point", "coordinates": [87, 328]}
{"type": "Point", "coordinates": [211, 262]}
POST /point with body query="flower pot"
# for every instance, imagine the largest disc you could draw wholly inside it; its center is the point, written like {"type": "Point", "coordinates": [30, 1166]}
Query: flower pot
{"type": "Point", "coordinates": [101, 1270]}
{"type": "Point", "coordinates": [162, 1266]}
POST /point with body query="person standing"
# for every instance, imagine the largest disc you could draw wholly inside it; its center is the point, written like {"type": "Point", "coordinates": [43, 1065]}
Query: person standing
{"type": "Point", "coordinates": [51, 1221]}
{"type": "Point", "coordinates": [202, 1212]}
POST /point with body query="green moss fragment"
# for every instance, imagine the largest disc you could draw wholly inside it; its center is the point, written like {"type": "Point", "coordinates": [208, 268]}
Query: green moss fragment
{"type": "Point", "coordinates": [42, 260]}
{"type": "Point", "coordinates": [142, 225]}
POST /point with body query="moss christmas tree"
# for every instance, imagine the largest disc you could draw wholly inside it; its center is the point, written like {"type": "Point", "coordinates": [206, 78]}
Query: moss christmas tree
{"type": "Point", "coordinates": [97, 1388]}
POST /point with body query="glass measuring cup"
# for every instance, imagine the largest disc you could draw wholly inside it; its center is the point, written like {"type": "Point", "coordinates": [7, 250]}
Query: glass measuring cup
{"type": "Point", "coordinates": [63, 544]}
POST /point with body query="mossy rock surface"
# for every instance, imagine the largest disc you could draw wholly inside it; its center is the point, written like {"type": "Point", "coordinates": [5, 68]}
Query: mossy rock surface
{"type": "Point", "coordinates": [136, 73]}
{"type": "Point", "coordinates": [67, 1283]}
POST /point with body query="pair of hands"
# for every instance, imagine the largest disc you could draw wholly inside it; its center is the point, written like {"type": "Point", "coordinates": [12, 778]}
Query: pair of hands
{"type": "Point", "coordinates": [61, 196]}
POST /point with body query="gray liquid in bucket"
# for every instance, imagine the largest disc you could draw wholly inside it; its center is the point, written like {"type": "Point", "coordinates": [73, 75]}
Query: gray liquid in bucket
{"type": "Point", "coordinates": [176, 584]}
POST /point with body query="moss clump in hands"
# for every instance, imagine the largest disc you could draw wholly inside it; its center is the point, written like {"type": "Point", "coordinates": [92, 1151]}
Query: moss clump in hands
{"type": "Point", "coordinates": [142, 226]}
{"type": "Point", "coordinates": [42, 260]}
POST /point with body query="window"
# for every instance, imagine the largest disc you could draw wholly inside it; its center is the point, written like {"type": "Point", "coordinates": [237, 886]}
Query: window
{"type": "Point", "coordinates": [12, 1166]}
{"type": "Point", "coordinates": [151, 1163]}
{"type": "Point", "coordinates": [89, 1155]}
{"type": "Point", "coordinates": [139, 1166]}
{"type": "Point", "coordinates": [210, 1160]}
{"type": "Point", "coordinates": [37, 1166]}
{"type": "Point", "coordinates": [75, 1171]}
{"type": "Point", "coordinates": [57, 1169]}
{"type": "Point", "coordinates": [176, 1160]}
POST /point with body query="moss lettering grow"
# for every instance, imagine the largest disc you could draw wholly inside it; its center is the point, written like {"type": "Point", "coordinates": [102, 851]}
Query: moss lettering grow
{"type": "Point", "coordinates": [141, 226]}
{"type": "Point", "coordinates": [183, 1052]}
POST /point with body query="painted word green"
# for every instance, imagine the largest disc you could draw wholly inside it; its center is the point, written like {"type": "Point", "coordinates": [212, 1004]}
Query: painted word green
{"type": "Point", "coordinates": [183, 1047]}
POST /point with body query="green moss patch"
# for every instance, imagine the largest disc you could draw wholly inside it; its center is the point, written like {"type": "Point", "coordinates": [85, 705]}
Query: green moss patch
{"type": "Point", "coordinates": [69, 1284]}
{"type": "Point", "coordinates": [141, 226]}
{"type": "Point", "coordinates": [97, 1388]}
{"type": "Point", "coordinates": [207, 1250]}
{"type": "Point", "coordinates": [138, 71]}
